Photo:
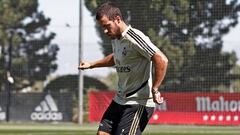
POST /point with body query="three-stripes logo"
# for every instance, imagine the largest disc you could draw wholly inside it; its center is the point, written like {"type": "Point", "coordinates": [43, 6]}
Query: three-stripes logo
{"type": "Point", "coordinates": [2, 114]}
{"type": "Point", "coordinates": [47, 110]}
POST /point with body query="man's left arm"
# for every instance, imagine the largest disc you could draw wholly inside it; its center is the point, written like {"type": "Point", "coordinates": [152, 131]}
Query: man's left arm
{"type": "Point", "coordinates": [160, 62]}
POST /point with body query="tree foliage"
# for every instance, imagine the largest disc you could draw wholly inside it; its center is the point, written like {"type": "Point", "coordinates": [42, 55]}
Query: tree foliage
{"type": "Point", "coordinates": [33, 54]}
{"type": "Point", "coordinates": [69, 83]}
{"type": "Point", "coordinates": [189, 32]}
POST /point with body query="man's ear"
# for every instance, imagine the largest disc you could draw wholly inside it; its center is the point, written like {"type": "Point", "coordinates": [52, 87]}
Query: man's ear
{"type": "Point", "coordinates": [117, 18]}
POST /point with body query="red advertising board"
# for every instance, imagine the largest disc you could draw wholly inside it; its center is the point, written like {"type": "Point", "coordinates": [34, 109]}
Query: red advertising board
{"type": "Point", "coordinates": [181, 108]}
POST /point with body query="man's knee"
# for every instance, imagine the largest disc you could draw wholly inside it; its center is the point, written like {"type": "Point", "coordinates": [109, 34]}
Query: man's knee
{"type": "Point", "coordinates": [102, 133]}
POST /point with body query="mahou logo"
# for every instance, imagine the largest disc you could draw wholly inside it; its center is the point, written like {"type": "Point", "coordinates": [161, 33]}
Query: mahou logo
{"type": "Point", "coordinates": [2, 114]}
{"type": "Point", "coordinates": [47, 110]}
{"type": "Point", "coordinates": [205, 104]}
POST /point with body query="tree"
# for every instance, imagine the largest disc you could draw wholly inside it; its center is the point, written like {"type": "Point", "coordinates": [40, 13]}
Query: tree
{"type": "Point", "coordinates": [33, 54]}
{"type": "Point", "coordinates": [189, 32]}
{"type": "Point", "coordinates": [69, 83]}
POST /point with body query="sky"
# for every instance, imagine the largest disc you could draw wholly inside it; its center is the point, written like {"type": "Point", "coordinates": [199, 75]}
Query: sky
{"type": "Point", "coordinates": [64, 16]}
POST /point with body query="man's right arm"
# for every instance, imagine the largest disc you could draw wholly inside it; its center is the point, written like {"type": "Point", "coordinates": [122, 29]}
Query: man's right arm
{"type": "Point", "coordinates": [108, 61]}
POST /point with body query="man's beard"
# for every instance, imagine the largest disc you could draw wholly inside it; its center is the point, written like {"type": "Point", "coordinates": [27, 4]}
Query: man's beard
{"type": "Point", "coordinates": [117, 32]}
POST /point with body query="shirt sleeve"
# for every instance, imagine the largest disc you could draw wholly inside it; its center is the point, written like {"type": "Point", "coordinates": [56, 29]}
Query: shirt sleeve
{"type": "Point", "coordinates": [141, 42]}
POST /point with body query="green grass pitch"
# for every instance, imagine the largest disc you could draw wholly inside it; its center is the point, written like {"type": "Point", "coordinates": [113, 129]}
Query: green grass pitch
{"type": "Point", "coordinates": [90, 129]}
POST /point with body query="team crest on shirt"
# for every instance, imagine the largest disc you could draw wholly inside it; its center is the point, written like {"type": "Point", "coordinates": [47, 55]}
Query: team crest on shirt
{"type": "Point", "coordinates": [124, 52]}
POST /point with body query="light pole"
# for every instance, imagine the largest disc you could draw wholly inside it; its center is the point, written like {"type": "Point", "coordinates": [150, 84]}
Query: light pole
{"type": "Point", "coordinates": [80, 83]}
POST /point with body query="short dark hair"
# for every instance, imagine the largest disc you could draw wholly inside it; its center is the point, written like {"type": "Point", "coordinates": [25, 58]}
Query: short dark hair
{"type": "Point", "coordinates": [108, 9]}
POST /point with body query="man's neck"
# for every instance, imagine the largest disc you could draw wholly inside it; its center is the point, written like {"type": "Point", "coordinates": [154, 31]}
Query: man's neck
{"type": "Point", "coordinates": [123, 27]}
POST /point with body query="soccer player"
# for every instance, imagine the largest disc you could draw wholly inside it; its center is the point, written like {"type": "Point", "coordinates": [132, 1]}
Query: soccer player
{"type": "Point", "coordinates": [133, 55]}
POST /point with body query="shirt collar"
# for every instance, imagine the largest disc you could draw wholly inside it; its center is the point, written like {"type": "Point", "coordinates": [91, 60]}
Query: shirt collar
{"type": "Point", "coordinates": [126, 30]}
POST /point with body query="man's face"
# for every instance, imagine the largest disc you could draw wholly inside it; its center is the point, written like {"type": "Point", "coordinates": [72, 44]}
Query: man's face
{"type": "Point", "coordinates": [110, 27]}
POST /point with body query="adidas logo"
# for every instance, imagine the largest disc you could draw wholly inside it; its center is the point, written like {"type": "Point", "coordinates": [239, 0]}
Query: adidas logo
{"type": "Point", "coordinates": [47, 110]}
{"type": "Point", "coordinates": [2, 114]}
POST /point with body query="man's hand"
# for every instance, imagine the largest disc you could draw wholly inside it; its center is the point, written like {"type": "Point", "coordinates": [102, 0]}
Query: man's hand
{"type": "Point", "coordinates": [84, 65]}
{"type": "Point", "coordinates": [157, 97]}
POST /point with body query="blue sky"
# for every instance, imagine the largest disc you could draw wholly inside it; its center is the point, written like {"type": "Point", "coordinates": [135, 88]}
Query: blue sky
{"type": "Point", "coordinates": [64, 16]}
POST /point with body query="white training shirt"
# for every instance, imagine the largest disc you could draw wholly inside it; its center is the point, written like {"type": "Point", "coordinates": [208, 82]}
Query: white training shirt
{"type": "Point", "coordinates": [132, 56]}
